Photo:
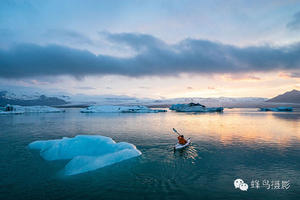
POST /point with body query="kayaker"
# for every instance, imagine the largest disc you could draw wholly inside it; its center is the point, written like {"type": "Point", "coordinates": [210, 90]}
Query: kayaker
{"type": "Point", "coordinates": [181, 140]}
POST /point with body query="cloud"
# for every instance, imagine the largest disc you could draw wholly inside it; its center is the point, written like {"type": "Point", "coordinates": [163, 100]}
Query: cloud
{"type": "Point", "coordinates": [239, 77]}
{"type": "Point", "coordinates": [38, 82]}
{"type": "Point", "coordinates": [295, 75]}
{"type": "Point", "coordinates": [68, 35]}
{"type": "Point", "coordinates": [138, 42]}
{"type": "Point", "coordinates": [153, 58]}
{"type": "Point", "coordinates": [144, 87]}
{"type": "Point", "coordinates": [290, 75]}
{"type": "Point", "coordinates": [294, 24]}
{"type": "Point", "coordinates": [85, 88]}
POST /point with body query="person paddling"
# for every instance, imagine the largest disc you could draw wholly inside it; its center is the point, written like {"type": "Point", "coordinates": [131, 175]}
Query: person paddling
{"type": "Point", "coordinates": [181, 140]}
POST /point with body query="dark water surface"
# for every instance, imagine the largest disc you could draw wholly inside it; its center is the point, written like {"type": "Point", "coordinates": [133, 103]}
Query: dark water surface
{"type": "Point", "coordinates": [239, 143]}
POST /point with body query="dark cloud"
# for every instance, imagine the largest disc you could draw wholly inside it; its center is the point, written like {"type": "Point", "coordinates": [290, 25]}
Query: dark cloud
{"type": "Point", "coordinates": [294, 24]}
{"type": "Point", "coordinates": [138, 42]}
{"type": "Point", "coordinates": [153, 58]}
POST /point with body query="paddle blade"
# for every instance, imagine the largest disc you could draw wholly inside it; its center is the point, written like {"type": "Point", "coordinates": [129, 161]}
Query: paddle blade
{"type": "Point", "coordinates": [175, 131]}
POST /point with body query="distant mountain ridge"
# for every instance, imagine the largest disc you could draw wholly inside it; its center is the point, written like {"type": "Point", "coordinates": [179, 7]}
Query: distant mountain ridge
{"type": "Point", "coordinates": [25, 100]}
{"type": "Point", "coordinates": [288, 97]}
{"type": "Point", "coordinates": [212, 102]}
{"type": "Point", "coordinates": [36, 98]}
{"type": "Point", "coordinates": [31, 98]}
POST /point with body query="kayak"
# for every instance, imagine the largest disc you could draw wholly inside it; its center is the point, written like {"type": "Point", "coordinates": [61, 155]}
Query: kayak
{"type": "Point", "coordinates": [180, 146]}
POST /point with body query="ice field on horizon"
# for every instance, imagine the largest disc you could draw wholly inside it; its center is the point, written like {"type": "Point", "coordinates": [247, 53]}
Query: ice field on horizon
{"type": "Point", "coordinates": [119, 109]}
{"type": "Point", "coordinates": [85, 152]}
{"type": "Point", "coordinates": [16, 109]}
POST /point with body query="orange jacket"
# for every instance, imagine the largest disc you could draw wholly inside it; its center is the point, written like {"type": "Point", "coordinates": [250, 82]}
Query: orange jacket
{"type": "Point", "coordinates": [181, 140]}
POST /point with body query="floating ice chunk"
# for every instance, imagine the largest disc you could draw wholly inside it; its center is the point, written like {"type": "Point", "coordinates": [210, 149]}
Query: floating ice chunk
{"type": "Point", "coordinates": [11, 112]}
{"type": "Point", "coordinates": [31, 109]}
{"type": "Point", "coordinates": [86, 152]}
{"type": "Point", "coordinates": [176, 106]}
{"type": "Point", "coordinates": [81, 164]}
{"type": "Point", "coordinates": [194, 107]}
{"type": "Point", "coordinates": [119, 109]}
{"type": "Point", "coordinates": [278, 109]}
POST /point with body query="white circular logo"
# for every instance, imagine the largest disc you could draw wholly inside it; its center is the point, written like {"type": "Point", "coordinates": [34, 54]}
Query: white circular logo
{"type": "Point", "coordinates": [239, 183]}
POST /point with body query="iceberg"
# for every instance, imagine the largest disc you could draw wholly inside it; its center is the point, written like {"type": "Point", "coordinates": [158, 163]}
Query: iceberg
{"type": "Point", "coordinates": [10, 112]}
{"type": "Point", "coordinates": [85, 152]}
{"type": "Point", "coordinates": [6, 110]}
{"type": "Point", "coordinates": [277, 109]}
{"type": "Point", "coordinates": [119, 109]}
{"type": "Point", "coordinates": [176, 106]}
{"type": "Point", "coordinates": [15, 109]}
{"type": "Point", "coordinates": [194, 107]}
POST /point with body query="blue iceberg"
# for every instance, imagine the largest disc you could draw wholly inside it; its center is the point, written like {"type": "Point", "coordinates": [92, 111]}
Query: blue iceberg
{"type": "Point", "coordinates": [85, 152]}
{"type": "Point", "coordinates": [176, 106]}
{"type": "Point", "coordinates": [194, 107]}
{"type": "Point", "coordinates": [277, 109]}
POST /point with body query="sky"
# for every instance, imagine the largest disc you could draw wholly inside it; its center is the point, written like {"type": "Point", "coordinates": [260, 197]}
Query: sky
{"type": "Point", "coordinates": [151, 49]}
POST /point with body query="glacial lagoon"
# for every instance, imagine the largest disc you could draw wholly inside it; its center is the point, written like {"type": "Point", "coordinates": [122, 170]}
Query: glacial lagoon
{"type": "Point", "coordinates": [257, 147]}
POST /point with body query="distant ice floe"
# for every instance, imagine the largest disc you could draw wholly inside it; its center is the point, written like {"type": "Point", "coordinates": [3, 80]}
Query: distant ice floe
{"type": "Point", "coordinates": [15, 109]}
{"type": "Point", "coordinates": [10, 112]}
{"type": "Point", "coordinates": [85, 152]}
{"type": "Point", "coordinates": [194, 107]}
{"type": "Point", "coordinates": [119, 109]}
{"type": "Point", "coordinates": [177, 106]}
{"type": "Point", "coordinates": [278, 109]}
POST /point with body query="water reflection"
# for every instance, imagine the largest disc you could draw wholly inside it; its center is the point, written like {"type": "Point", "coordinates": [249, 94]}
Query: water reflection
{"type": "Point", "coordinates": [287, 116]}
{"type": "Point", "coordinates": [239, 125]}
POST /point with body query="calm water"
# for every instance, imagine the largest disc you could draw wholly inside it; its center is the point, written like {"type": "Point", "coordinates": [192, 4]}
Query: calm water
{"type": "Point", "coordinates": [240, 143]}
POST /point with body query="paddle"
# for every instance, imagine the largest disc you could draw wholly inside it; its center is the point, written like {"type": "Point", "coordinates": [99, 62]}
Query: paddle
{"type": "Point", "coordinates": [176, 131]}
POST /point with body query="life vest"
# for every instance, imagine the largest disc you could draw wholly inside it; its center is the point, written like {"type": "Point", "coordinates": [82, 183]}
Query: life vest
{"type": "Point", "coordinates": [181, 140]}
